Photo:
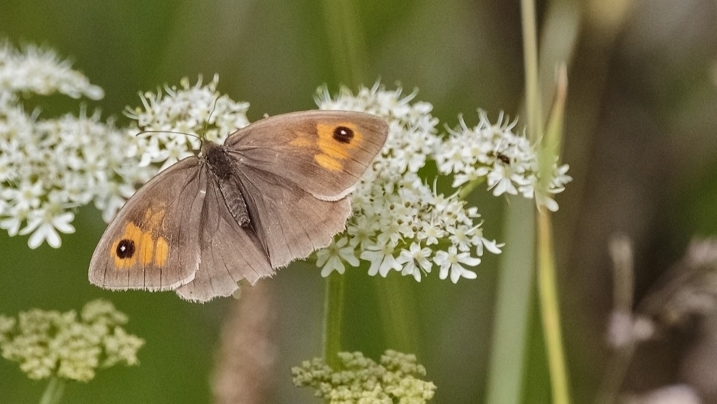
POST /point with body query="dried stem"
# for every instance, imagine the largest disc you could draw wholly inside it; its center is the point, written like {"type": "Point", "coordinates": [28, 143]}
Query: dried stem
{"type": "Point", "coordinates": [248, 351]}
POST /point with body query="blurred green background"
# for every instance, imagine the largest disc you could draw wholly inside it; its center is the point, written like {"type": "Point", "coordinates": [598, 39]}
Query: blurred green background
{"type": "Point", "coordinates": [639, 136]}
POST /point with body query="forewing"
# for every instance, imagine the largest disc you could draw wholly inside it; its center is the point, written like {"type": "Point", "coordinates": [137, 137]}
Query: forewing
{"type": "Point", "coordinates": [230, 253]}
{"type": "Point", "coordinates": [289, 221]}
{"type": "Point", "coordinates": [323, 152]}
{"type": "Point", "coordinates": [153, 243]}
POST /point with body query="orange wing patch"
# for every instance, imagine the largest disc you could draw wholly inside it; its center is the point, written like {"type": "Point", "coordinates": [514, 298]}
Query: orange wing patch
{"type": "Point", "coordinates": [136, 245]}
{"type": "Point", "coordinates": [327, 162]}
{"type": "Point", "coordinates": [160, 256]}
{"type": "Point", "coordinates": [336, 143]}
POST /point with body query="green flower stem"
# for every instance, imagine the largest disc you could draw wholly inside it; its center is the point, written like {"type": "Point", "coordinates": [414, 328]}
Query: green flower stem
{"type": "Point", "coordinates": [550, 311]}
{"type": "Point", "coordinates": [547, 289]}
{"type": "Point", "coordinates": [515, 285]}
{"type": "Point", "coordinates": [346, 41]}
{"type": "Point", "coordinates": [343, 30]}
{"type": "Point", "coordinates": [399, 322]}
{"type": "Point", "coordinates": [533, 109]}
{"type": "Point", "coordinates": [53, 391]}
{"type": "Point", "coordinates": [514, 302]}
{"type": "Point", "coordinates": [333, 315]}
{"type": "Point", "coordinates": [469, 187]}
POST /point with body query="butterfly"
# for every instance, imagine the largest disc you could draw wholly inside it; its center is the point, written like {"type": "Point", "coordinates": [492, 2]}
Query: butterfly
{"type": "Point", "coordinates": [274, 192]}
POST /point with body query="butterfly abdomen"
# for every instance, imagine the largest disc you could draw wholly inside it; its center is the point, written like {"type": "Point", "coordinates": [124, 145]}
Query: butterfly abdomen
{"type": "Point", "coordinates": [220, 165]}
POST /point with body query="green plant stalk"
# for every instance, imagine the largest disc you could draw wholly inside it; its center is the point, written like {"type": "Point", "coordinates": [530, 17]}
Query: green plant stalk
{"type": "Point", "coordinates": [53, 392]}
{"type": "Point", "coordinates": [550, 312]}
{"type": "Point", "coordinates": [547, 278]}
{"type": "Point", "coordinates": [511, 327]}
{"type": "Point", "coordinates": [547, 284]}
{"type": "Point", "coordinates": [333, 315]}
{"type": "Point", "coordinates": [398, 318]}
{"type": "Point", "coordinates": [469, 187]}
{"type": "Point", "coordinates": [346, 41]}
{"type": "Point", "coordinates": [348, 58]}
{"type": "Point", "coordinates": [533, 107]}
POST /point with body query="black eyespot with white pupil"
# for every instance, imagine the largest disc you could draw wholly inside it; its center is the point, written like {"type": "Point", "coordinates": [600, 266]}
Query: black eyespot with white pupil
{"type": "Point", "coordinates": [125, 249]}
{"type": "Point", "coordinates": [343, 134]}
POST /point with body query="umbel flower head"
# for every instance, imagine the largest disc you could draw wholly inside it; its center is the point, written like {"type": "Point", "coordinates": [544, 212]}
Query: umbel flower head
{"type": "Point", "coordinates": [400, 221]}
{"type": "Point", "coordinates": [176, 112]}
{"type": "Point", "coordinates": [506, 161]}
{"type": "Point", "coordinates": [49, 167]}
{"type": "Point", "coordinates": [397, 378]}
{"type": "Point", "coordinates": [50, 343]}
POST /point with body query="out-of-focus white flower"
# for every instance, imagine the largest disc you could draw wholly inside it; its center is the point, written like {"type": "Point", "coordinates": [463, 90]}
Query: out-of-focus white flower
{"type": "Point", "coordinates": [670, 394]}
{"type": "Point", "coordinates": [397, 378]}
{"type": "Point", "coordinates": [41, 71]}
{"type": "Point", "coordinates": [68, 346]}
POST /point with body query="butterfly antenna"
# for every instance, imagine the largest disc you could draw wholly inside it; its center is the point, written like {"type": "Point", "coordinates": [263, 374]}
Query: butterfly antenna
{"type": "Point", "coordinates": [146, 132]}
{"type": "Point", "coordinates": [214, 107]}
{"type": "Point", "coordinates": [209, 117]}
{"type": "Point", "coordinates": [200, 136]}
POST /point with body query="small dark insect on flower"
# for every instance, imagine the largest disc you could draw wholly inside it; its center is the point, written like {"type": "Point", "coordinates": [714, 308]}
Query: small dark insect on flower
{"type": "Point", "coordinates": [500, 156]}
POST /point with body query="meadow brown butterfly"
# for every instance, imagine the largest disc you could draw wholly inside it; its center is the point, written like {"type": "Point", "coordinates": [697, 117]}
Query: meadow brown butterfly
{"type": "Point", "coordinates": [274, 192]}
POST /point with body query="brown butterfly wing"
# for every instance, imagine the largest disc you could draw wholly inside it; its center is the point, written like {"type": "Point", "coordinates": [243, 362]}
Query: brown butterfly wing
{"type": "Point", "coordinates": [230, 253]}
{"type": "Point", "coordinates": [289, 221]}
{"type": "Point", "coordinates": [153, 242]}
{"type": "Point", "coordinates": [322, 152]}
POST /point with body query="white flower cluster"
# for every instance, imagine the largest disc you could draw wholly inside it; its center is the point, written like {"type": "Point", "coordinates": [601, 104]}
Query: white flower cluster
{"type": "Point", "coordinates": [41, 71]}
{"type": "Point", "coordinates": [508, 162]}
{"type": "Point", "coordinates": [48, 167]}
{"type": "Point", "coordinates": [181, 111]}
{"type": "Point", "coordinates": [50, 343]}
{"type": "Point", "coordinates": [400, 223]}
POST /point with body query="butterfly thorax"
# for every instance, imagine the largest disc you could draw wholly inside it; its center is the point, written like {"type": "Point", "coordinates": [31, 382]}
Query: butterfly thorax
{"type": "Point", "coordinates": [216, 158]}
{"type": "Point", "coordinates": [223, 169]}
